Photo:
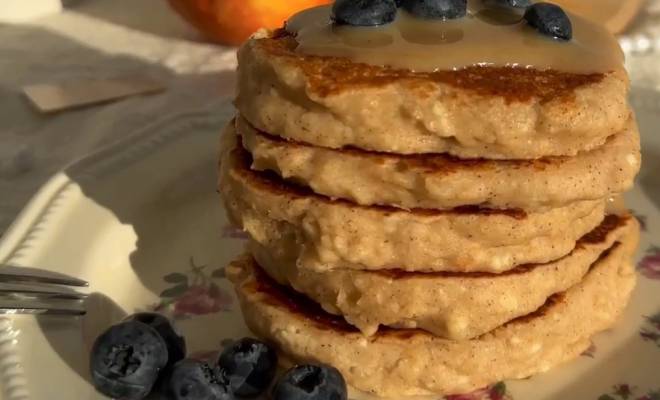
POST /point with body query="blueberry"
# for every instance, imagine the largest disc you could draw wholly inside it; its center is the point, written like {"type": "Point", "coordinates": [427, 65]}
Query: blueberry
{"type": "Point", "coordinates": [249, 366]}
{"type": "Point", "coordinates": [364, 12]}
{"type": "Point", "coordinates": [550, 20]}
{"type": "Point", "coordinates": [436, 9]}
{"type": "Point", "coordinates": [311, 382]}
{"type": "Point", "coordinates": [509, 3]}
{"type": "Point", "coordinates": [195, 380]}
{"type": "Point", "coordinates": [126, 359]}
{"type": "Point", "coordinates": [176, 344]}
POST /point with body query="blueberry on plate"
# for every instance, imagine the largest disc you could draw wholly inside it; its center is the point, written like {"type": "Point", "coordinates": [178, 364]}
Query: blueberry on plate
{"type": "Point", "coordinates": [550, 20]}
{"type": "Point", "coordinates": [249, 366]}
{"type": "Point", "coordinates": [126, 360]}
{"type": "Point", "coordinates": [436, 9]}
{"type": "Point", "coordinates": [509, 3]}
{"type": "Point", "coordinates": [311, 382]}
{"type": "Point", "coordinates": [364, 12]}
{"type": "Point", "coordinates": [176, 344]}
{"type": "Point", "coordinates": [195, 380]}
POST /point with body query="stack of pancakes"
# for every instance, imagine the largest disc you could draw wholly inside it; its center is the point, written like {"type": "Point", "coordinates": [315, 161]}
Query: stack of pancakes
{"type": "Point", "coordinates": [428, 233]}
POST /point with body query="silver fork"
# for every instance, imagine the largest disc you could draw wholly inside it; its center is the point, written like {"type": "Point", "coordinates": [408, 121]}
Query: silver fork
{"type": "Point", "coordinates": [25, 290]}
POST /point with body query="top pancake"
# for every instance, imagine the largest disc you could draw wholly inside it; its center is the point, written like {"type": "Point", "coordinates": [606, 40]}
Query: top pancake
{"type": "Point", "coordinates": [477, 112]}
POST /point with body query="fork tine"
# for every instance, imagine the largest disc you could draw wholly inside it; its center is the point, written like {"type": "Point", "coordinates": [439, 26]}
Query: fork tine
{"type": "Point", "coordinates": [11, 306]}
{"type": "Point", "coordinates": [10, 273]}
{"type": "Point", "coordinates": [40, 290]}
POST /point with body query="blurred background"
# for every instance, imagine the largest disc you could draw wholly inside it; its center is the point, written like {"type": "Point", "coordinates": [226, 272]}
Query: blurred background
{"type": "Point", "coordinates": [189, 47]}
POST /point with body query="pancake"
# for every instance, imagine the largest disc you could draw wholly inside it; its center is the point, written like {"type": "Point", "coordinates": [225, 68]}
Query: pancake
{"type": "Point", "coordinates": [450, 305]}
{"type": "Point", "coordinates": [442, 181]}
{"type": "Point", "coordinates": [477, 112]}
{"type": "Point", "coordinates": [329, 234]}
{"type": "Point", "coordinates": [396, 363]}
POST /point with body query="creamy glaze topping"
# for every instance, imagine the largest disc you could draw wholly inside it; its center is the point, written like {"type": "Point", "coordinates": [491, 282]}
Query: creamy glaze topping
{"type": "Point", "coordinates": [485, 37]}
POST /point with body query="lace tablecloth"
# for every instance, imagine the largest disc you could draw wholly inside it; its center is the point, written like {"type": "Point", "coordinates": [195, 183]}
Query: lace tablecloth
{"type": "Point", "coordinates": [97, 39]}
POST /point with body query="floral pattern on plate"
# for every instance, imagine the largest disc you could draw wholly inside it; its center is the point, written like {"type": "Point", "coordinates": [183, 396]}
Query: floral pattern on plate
{"type": "Point", "coordinates": [626, 392]}
{"type": "Point", "coordinates": [497, 391]}
{"type": "Point", "coordinates": [649, 266]}
{"type": "Point", "coordinates": [651, 332]}
{"type": "Point", "coordinates": [194, 292]}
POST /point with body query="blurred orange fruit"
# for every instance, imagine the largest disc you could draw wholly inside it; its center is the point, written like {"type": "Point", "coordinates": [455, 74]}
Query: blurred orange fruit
{"type": "Point", "coordinates": [233, 21]}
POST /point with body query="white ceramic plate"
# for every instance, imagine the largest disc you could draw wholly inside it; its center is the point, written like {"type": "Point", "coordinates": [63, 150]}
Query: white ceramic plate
{"type": "Point", "coordinates": [142, 222]}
